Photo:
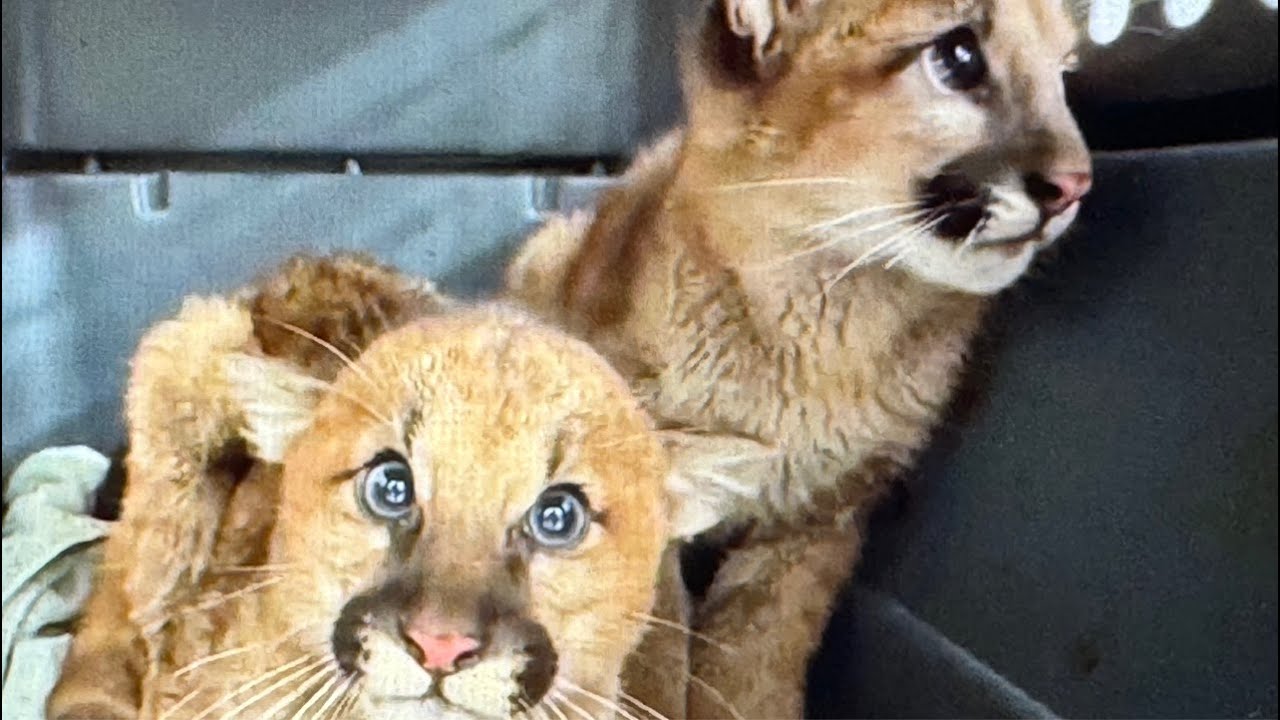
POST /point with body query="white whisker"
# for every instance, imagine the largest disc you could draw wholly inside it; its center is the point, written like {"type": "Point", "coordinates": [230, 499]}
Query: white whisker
{"type": "Point", "coordinates": [968, 241]}
{"type": "Point", "coordinates": [232, 652]}
{"type": "Point", "coordinates": [213, 658]}
{"type": "Point", "coordinates": [321, 692]}
{"type": "Point", "coordinates": [717, 695]}
{"type": "Point", "coordinates": [346, 360]}
{"type": "Point", "coordinates": [174, 708]}
{"type": "Point", "coordinates": [344, 707]}
{"type": "Point", "coordinates": [841, 238]}
{"type": "Point", "coordinates": [266, 692]}
{"type": "Point", "coordinates": [233, 569]}
{"type": "Point", "coordinates": [327, 346]}
{"type": "Point", "coordinates": [550, 702]}
{"type": "Point", "coordinates": [905, 251]}
{"type": "Point", "coordinates": [908, 246]}
{"type": "Point", "coordinates": [572, 705]}
{"type": "Point", "coordinates": [631, 699]}
{"type": "Point", "coordinates": [249, 686]}
{"type": "Point", "coordinates": [880, 246]}
{"type": "Point", "coordinates": [363, 405]}
{"type": "Point", "coordinates": [228, 597]}
{"type": "Point", "coordinates": [857, 214]}
{"type": "Point", "coordinates": [886, 245]}
{"type": "Point", "coordinates": [660, 622]}
{"type": "Point", "coordinates": [335, 697]}
{"type": "Point", "coordinates": [898, 238]}
{"type": "Point", "coordinates": [317, 675]}
{"type": "Point", "coordinates": [786, 182]}
{"type": "Point", "coordinates": [610, 704]}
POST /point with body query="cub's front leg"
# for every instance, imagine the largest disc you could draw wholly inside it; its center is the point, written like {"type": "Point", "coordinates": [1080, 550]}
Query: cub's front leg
{"type": "Point", "coordinates": [764, 616]}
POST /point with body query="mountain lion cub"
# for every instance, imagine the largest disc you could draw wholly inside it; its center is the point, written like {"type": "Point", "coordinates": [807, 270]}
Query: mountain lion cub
{"type": "Point", "coordinates": [464, 520]}
{"type": "Point", "coordinates": [805, 262]}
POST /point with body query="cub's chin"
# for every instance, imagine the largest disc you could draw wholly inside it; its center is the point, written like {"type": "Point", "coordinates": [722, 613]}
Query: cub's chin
{"type": "Point", "coordinates": [432, 708]}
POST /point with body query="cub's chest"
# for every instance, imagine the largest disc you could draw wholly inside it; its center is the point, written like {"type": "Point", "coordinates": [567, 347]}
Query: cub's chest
{"type": "Point", "coordinates": [838, 380]}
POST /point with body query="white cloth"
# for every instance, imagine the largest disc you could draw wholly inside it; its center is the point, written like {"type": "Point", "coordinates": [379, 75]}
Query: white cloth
{"type": "Point", "coordinates": [52, 546]}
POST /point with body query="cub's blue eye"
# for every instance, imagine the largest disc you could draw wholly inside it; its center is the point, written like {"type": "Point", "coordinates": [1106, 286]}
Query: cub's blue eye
{"type": "Point", "coordinates": [560, 518]}
{"type": "Point", "coordinates": [386, 490]}
{"type": "Point", "coordinates": [955, 62]}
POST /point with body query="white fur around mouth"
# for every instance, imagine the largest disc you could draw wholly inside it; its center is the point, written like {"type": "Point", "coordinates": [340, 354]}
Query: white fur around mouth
{"type": "Point", "coordinates": [401, 688]}
{"type": "Point", "coordinates": [1044, 234]}
{"type": "Point", "coordinates": [393, 675]}
{"type": "Point", "coordinates": [1059, 223]}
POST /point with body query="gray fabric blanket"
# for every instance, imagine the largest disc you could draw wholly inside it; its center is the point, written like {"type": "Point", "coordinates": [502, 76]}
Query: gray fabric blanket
{"type": "Point", "coordinates": [51, 548]}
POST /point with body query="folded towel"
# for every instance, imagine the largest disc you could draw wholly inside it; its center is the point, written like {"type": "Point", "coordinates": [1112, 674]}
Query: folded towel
{"type": "Point", "coordinates": [51, 548]}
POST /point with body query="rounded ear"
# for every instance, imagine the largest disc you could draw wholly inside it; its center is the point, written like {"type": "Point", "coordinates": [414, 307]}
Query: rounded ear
{"type": "Point", "coordinates": [713, 478]}
{"type": "Point", "coordinates": [276, 400]}
{"type": "Point", "coordinates": [748, 40]}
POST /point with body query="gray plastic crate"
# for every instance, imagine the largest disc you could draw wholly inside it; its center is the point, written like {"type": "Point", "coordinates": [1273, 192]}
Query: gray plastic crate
{"type": "Point", "coordinates": [536, 77]}
{"type": "Point", "coordinates": [540, 77]}
{"type": "Point", "coordinates": [90, 261]}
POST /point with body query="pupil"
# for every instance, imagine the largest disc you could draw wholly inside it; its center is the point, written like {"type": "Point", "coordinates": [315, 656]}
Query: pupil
{"type": "Point", "coordinates": [395, 492]}
{"type": "Point", "coordinates": [555, 519]}
{"type": "Point", "coordinates": [960, 57]}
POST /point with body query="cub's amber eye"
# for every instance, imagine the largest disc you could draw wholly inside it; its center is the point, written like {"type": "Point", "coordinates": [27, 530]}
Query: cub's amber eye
{"type": "Point", "coordinates": [954, 61]}
{"type": "Point", "coordinates": [385, 489]}
{"type": "Point", "coordinates": [559, 520]}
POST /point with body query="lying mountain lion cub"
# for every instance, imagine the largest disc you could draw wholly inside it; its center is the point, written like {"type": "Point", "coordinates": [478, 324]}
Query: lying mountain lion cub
{"type": "Point", "coordinates": [464, 521]}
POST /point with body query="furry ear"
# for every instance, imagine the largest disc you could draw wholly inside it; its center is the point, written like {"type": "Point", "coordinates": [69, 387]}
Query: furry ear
{"type": "Point", "coordinates": [712, 476]}
{"type": "Point", "coordinates": [276, 400]}
{"type": "Point", "coordinates": [748, 40]}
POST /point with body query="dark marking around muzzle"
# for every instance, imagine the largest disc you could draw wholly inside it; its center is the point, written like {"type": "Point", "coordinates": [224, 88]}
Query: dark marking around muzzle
{"type": "Point", "coordinates": [489, 606]}
{"type": "Point", "coordinates": [956, 202]}
{"type": "Point", "coordinates": [540, 671]}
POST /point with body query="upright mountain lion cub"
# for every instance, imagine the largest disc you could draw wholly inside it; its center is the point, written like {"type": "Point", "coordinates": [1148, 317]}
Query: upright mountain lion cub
{"type": "Point", "coordinates": [805, 263]}
{"type": "Point", "coordinates": [466, 520]}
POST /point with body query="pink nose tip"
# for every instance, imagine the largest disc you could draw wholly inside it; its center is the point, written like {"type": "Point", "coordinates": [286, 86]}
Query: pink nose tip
{"type": "Point", "coordinates": [441, 651]}
{"type": "Point", "coordinates": [1069, 186]}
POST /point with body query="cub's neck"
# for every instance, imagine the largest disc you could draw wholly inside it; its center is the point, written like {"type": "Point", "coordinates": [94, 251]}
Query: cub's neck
{"type": "Point", "coordinates": [671, 282]}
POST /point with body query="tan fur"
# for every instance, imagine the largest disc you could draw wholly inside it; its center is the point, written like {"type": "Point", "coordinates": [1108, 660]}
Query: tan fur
{"type": "Point", "coordinates": [710, 279]}
{"type": "Point", "coordinates": [234, 533]}
{"type": "Point", "coordinates": [182, 433]}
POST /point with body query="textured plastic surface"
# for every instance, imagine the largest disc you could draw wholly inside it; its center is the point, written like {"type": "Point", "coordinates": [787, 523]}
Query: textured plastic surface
{"type": "Point", "coordinates": [536, 77]}
{"type": "Point", "coordinates": [90, 261]}
{"type": "Point", "coordinates": [545, 77]}
{"type": "Point", "coordinates": [1101, 531]}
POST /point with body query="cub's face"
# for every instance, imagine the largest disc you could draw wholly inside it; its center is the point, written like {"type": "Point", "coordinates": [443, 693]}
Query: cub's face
{"type": "Point", "coordinates": [929, 135]}
{"type": "Point", "coordinates": [471, 520]}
